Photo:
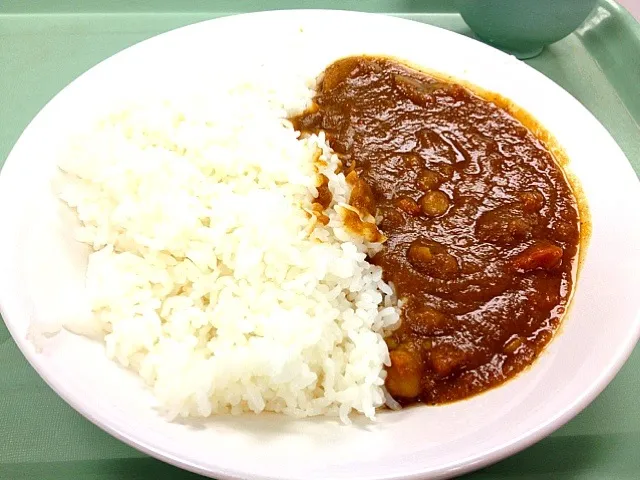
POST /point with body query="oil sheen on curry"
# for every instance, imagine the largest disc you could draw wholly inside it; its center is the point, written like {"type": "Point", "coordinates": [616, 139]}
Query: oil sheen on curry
{"type": "Point", "coordinates": [481, 225]}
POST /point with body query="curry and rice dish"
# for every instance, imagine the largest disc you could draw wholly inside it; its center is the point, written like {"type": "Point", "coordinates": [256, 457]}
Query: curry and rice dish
{"type": "Point", "coordinates": [378, 237]}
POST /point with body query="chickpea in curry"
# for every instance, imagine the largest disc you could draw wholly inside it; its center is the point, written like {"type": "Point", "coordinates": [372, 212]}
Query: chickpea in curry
{"type": "Point", "coordinates": [481, 224]}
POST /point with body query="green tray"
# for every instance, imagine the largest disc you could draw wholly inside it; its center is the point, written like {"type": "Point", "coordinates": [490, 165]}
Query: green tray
{"type": "Point", "coordinates": [46, 44]}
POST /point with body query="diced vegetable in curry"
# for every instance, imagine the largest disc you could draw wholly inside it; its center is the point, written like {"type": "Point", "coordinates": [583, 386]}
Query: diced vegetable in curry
{"type": "Point", "coordinates": [481, 225]}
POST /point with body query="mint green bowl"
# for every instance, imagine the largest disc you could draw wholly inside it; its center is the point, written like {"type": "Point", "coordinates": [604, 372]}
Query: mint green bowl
{"type": "Point", "coordinates": [524, 27]}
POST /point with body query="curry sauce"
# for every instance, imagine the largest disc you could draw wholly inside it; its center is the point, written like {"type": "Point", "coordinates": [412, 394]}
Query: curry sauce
{"type": "Point", "coordinates": [481, 225]}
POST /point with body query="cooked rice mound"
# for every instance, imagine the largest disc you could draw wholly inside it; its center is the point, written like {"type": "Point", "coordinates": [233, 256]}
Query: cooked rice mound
{"type": "Point", "coordinates": [211, 276]}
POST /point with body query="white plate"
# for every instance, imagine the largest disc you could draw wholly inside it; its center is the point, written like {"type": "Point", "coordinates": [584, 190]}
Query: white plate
{"type": "Point", "coordinates": [40, 267]}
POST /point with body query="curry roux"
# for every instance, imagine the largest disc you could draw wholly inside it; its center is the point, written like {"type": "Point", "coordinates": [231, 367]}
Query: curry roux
{"type": "Point", "coordinates": [481, 225]}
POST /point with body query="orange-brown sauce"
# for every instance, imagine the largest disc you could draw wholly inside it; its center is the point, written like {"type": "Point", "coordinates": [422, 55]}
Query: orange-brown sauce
{"type": "Point", "coordinates": [481, 225]}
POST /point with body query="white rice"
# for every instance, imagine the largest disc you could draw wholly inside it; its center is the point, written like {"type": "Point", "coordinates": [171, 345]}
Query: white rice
{"type": "Point", "coordinates": [205, 279]}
